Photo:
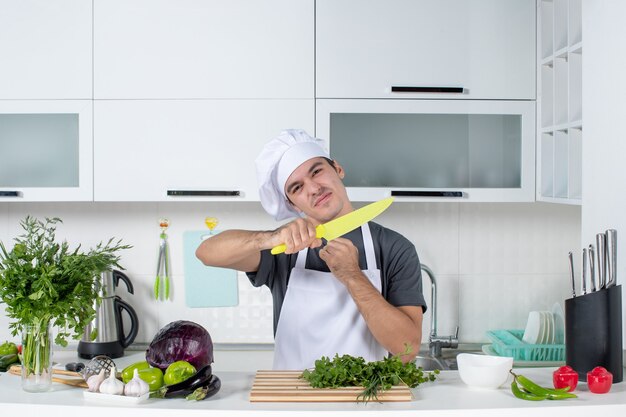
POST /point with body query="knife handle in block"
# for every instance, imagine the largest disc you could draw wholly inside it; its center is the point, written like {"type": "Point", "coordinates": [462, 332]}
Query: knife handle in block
{"type": "Point", "coordinates": [319, 233]}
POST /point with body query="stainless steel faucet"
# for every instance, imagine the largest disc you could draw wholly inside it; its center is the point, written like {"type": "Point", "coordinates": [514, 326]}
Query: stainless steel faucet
{"type": "Point", "coordinates": [435, 342]}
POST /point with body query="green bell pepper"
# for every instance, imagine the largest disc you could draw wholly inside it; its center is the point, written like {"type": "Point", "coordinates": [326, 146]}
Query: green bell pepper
{"type": "Point", "coordinates": [152, 376]}
{"type": "Point", "coordinates": [127, 373]}
{"type": "Point", "coordinates": [8, 348]}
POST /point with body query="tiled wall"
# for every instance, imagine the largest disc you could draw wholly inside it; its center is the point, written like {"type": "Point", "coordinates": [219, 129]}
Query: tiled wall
{"type": "Point", "coordinates": [493, 262]}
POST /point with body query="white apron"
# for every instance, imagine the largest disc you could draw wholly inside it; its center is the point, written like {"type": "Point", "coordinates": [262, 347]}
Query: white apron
{"type": "Point", "coordinates": [320, 318]}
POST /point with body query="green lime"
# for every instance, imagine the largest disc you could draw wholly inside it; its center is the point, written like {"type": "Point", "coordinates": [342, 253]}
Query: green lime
{"type": "Point", "coordinates": [178, 372]}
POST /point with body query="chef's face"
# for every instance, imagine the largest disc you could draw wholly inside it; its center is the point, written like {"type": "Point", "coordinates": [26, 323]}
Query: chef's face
{"type": "Point", "coordinates": [316, 189]}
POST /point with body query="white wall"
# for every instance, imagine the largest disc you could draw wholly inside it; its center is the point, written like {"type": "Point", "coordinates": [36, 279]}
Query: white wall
{"type": "Point", "coordinates": [494, 262]}
{"type": "Point", "coordinates": [604, 112]}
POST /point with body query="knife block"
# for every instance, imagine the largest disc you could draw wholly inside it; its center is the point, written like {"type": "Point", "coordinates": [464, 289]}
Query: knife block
{"type": "Point", "coordinates": [593, 332]}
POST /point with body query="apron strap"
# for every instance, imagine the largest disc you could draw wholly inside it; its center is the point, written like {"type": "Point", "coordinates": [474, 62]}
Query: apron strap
{"type": "Point", "coordinates": [368, 242]}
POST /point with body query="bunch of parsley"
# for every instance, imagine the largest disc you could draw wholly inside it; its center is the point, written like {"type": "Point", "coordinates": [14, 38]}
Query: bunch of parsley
{"type": "Point", "coordinates": [42, 281]}
{"type": "Point", "coordinates": [374, 377]}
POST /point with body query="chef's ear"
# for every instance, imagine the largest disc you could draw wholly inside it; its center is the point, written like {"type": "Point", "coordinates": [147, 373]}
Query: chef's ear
{"type": "Point", "coordinates": [340, 171]}
{"type": "Point", "coordinates": [288, 201]}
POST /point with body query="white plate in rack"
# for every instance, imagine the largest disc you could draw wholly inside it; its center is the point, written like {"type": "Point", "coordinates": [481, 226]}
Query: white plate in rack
{"type": "Point", "coordinates": [114, 399]}
{"type": "Point", "coordinates": [534, 328]}
{"type": "Point", "coordinates": [559, 323]}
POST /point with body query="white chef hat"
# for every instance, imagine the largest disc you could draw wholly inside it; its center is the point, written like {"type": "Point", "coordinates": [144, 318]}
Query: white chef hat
{"type": "Point", "coordinates": [277, 161]}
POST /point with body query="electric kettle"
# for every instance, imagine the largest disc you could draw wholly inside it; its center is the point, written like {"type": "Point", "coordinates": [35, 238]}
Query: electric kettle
{"type": "Point", "coordinates": [110, 337]}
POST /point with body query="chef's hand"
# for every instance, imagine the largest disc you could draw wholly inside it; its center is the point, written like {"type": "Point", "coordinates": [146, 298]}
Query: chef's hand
{"type": "Point", "coordinates": [342, 258]}
{"type": "Point", "coordinates": [296, 235]}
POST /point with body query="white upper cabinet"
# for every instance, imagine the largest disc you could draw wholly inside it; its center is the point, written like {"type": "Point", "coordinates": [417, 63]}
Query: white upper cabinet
{"type": "Point", "coordinates": [432, 150]}
{"type": "Point", "coordinates": [186, 150]}
{"type": "Point", "coordinates": [482, 49]}
{"type": "Point", "coordinates": [45, 49]}
{"type": "Point", "coordinates": [163, 49]}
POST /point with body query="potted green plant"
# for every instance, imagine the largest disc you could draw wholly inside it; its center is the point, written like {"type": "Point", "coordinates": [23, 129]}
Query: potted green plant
{"type": "Point", "coordinates": [43, 284]}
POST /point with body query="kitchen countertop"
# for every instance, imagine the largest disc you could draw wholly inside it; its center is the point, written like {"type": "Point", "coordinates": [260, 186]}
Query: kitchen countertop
{"type": "Point", "coordinates": [447, 396]}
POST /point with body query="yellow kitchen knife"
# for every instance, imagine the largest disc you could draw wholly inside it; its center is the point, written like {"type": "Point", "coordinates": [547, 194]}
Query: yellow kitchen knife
{"type": "Point", "coordinates": [346, 223]}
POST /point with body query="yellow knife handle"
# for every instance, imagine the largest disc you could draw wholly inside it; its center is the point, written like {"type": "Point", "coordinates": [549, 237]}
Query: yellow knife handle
{"type": "Point", "coordinates": [319, 233]}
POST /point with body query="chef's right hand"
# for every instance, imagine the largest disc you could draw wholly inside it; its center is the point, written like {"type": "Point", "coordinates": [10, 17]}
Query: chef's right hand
{"type": "Point", "coordinates": [296, 235]}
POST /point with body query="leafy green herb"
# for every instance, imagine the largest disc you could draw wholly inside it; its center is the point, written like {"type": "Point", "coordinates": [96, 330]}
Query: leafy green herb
{"type": "Point", "coordinates": [374, 377]}
{"type": "Point", "coordinates": [43, 282]}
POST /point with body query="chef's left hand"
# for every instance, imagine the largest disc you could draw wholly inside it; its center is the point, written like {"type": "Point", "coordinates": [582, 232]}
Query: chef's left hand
{"type": "Point", "coordinates": [342, 258]}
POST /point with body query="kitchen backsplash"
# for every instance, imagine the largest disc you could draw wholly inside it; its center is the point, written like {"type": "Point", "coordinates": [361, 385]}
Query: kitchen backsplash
{"type": "Point", "coordinates": [494, 262]}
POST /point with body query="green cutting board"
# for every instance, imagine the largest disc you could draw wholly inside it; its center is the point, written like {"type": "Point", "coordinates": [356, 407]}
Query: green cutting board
{"type": "Point", "coordinates": [206, 286]}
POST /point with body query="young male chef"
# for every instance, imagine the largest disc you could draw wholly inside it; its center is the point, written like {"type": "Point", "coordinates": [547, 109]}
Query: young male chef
{"type": "Point", "coordinates": [360, 294]}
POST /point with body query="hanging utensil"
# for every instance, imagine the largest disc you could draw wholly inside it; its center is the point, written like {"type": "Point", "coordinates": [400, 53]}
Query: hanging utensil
{"type": "Point", "coordinates": [162, 281]}
{"type": "Point", "coordinates": [211, 223]}
{"type": "Point", "coordinates": [571, 272]}
{"type": "Point", "coordinates": [592, 268]}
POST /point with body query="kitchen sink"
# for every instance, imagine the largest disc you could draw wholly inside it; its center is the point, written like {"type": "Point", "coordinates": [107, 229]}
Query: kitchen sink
{"type": "Point", "coordinates": [445, 362]}
{"type": "Point", "coordinates": [429, 364]}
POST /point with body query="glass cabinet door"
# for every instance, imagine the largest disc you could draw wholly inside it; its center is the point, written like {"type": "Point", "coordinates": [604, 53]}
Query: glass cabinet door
{"type": "Point", "coordinates": [46, 150]}
{"type": "Point", "coordinates": [472, 150]}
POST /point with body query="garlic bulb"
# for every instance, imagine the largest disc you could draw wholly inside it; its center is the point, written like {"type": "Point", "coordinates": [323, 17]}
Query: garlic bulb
{"type": "Point", "coordinates": [136, 387]}
{"type": "Point", "coordinates": [112, 385]}
{"type": "Point", "coordinates": [94, 381]}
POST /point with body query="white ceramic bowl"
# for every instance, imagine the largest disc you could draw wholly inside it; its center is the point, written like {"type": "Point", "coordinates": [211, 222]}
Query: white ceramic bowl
{"type": "Point", "coordinates": [483, 371]}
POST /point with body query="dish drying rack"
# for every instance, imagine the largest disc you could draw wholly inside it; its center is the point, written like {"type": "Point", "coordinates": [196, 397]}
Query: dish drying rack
{"type": "Point", "coordinates": [510, 343]}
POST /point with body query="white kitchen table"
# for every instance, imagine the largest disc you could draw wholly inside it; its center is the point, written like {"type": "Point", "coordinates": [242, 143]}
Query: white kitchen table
{"type": "Point", "coordinates": [447, 396]}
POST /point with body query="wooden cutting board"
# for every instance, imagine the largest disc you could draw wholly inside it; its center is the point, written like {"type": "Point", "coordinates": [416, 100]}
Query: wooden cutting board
{"type": "Point", "coordinates": [286, 386]}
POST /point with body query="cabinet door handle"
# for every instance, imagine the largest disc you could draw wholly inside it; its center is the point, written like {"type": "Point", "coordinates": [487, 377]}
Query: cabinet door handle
{"type": "Point", "coordinates": [203, 193]}
{"type": "Point", "coordinates": [10, 193]}
{"type": "Point", "coordinates": [406, 89]}
{"type": "Point", "coordinates": [403, 193]}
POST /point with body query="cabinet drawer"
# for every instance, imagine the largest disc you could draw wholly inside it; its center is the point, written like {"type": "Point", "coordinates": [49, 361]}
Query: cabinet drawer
{"type": "Point", "coordinates": [162, 49]}
{"type": "Point", "coordinates": [181, 150]}
{"type": "Point", "coordinates": [483, 48]}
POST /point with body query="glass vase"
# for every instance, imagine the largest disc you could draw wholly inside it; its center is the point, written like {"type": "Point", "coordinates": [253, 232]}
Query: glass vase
{"type": "Point", "coordinates": [36, 357]}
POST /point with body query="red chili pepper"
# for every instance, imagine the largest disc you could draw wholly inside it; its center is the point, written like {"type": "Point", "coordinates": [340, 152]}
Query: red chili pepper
{"type": "Point", "coordinates": [565, 377]}
{"type": "Point", "coordinates": [599, 380]}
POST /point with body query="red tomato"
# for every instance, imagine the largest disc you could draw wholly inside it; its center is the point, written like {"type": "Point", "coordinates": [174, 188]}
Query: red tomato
{"type": "Point", "coordinates": [564, 377]}
{"type": "Point", "coordinates": [599, 380]}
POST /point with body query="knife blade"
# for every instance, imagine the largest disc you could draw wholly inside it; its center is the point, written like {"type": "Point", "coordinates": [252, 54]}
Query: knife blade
{"type": "Point", "coordinates": [611, 256]}
{"type": "Point", "coordinates": [346, 223]}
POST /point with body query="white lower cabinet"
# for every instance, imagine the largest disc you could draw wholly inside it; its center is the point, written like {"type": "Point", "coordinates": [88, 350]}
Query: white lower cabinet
{"type": "Point", "coordinates": [46, 150]}
{"type": "Point", "coordinates": [186, 150]}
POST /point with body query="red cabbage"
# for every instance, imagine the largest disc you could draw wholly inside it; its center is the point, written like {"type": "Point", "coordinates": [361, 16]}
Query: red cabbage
{"type": "Point", "coordinates": [180, 341]}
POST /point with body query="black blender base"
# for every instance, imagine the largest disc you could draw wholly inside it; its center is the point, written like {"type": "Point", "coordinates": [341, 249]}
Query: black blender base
{"type": "Point", "coordinates": [88, 350]}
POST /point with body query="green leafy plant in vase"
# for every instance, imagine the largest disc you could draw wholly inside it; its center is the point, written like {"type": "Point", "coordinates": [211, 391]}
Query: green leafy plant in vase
{"type": "Point", "coordinates": [43, 284]}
